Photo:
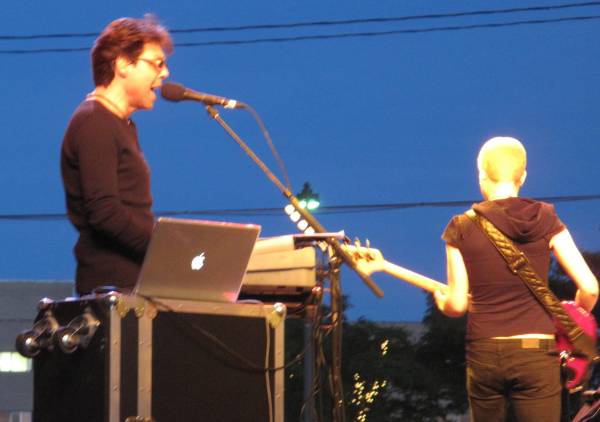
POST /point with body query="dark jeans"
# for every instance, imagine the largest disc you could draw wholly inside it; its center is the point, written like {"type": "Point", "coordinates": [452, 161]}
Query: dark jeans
{"type": "Point", "coordinates": [522, 372]}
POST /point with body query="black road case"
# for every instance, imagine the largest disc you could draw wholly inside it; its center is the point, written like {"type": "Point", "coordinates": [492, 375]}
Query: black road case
{"type": "Point", "coordinates": [160, 361]}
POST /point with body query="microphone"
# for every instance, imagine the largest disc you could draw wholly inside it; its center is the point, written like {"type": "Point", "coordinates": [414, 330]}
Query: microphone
{"type": "Point", "coordinates": [172, 91]}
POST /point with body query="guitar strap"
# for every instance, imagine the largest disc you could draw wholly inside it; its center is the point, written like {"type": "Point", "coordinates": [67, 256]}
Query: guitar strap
{"type": "Point", "coordinates": [519, 265]}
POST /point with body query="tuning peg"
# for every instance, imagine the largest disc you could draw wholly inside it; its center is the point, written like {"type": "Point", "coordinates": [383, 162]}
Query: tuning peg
{"type": "Point", "coordinates": [369, 255]}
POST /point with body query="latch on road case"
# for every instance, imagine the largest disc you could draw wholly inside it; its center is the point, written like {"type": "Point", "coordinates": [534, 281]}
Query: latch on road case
{"type": "Point", "coordinates": [140, 306]}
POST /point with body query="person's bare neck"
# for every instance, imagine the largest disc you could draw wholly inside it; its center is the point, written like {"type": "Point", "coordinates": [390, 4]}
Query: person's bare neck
{"type": "Point", "coordinates": [502, 190]}
{"type": "Point", "coordinates": [113, 99]}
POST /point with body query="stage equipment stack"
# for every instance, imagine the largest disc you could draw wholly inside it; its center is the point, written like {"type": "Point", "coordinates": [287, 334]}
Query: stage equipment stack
{"type": "Point", "coordinates": [114, 358]}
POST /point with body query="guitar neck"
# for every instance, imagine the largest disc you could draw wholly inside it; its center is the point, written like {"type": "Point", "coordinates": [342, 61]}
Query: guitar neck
{"type": "Point", "coordinates": [413, 278]}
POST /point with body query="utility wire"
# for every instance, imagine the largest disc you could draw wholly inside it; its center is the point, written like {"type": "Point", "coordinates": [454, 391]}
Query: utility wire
{"type": "Point", "coordinates": [329, 36]}
{"type": "Point", "coordinates": [385, 33]}
{"type": "Point", "coordinates": [339, 22]}
{"type": "Point", "coordinates": [333, 209]}
{"type": "Point", "coordinates": [342, 22]}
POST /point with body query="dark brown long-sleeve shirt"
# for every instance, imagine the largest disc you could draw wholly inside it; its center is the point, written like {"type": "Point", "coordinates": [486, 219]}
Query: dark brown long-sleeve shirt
{"type": "Point", "coordinates": [107, 187]}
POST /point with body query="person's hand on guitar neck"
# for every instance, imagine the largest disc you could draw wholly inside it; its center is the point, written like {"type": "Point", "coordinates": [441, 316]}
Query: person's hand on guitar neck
{"type": "Point", "coordinates": [367, 259]}
{"type": "Point", "coordinates": [370, 260]}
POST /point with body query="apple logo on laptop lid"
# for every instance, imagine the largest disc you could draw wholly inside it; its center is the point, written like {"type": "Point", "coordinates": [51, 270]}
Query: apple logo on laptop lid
{"type": "Point", "coordinates": [198, 262]}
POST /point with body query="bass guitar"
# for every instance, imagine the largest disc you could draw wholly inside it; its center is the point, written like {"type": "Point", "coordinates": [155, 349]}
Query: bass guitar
{"type": "Point", "coordinates": [578, 365]}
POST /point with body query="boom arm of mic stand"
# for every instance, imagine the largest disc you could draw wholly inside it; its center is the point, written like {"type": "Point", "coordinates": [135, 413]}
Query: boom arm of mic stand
{"type": "Point", "coordinates": [334, 243]}
{"type": "Point", "coordinates": [310, 219]}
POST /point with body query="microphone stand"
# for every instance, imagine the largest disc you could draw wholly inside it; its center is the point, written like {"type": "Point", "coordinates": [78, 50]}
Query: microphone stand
{"type": "Point", "coordinates": [339, 256]}
{"type": "Point", "coordinates": [310, 219]}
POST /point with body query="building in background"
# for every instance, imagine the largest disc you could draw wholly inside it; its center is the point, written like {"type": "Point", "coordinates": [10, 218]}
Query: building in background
{"type": "Point", "coordinates": [18, 308]}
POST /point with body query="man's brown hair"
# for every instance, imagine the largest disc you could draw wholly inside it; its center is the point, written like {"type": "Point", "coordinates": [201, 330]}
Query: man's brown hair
{"type": "Point", "coordinates": [125, 37]}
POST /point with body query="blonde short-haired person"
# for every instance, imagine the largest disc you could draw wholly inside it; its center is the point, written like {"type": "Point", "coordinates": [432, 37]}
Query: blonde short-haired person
{"type": "Point", "coordinates": [509, 334]}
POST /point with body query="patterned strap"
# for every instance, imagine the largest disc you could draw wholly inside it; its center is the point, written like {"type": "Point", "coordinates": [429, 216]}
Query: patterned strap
{"type": "Point", "coordinates": [519, 265]}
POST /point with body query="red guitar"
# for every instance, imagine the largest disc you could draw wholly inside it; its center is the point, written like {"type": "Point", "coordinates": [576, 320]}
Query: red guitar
{"type": "Point", "coordinates": [577, 365]}
{"type": "Point", "coordinates": [369, 260]}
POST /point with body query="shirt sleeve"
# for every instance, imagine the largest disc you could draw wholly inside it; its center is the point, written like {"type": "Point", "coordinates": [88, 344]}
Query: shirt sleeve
{"type": "Point", "coordinates": [556, 225]}
{"type": "Point", "coordinates": [452, 234]}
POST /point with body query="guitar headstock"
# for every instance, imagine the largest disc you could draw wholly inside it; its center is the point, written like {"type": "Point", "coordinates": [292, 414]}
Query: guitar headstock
{"type": "Point", "coordinates": [368, 260]}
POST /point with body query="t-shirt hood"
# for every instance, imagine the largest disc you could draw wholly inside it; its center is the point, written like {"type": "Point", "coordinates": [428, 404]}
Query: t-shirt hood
{"type": "Point", "coordinates": [521, 219]}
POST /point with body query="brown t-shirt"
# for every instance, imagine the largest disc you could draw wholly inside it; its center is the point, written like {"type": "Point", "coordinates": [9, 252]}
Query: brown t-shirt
{"type": "Point", "coordinates": [501, 304]}
{"type": "Point", "coordinates": [107, 187]}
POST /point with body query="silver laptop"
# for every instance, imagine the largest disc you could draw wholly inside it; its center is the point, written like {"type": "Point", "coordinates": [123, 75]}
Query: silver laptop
{"type": "Point", "coordinates": [196, 260]}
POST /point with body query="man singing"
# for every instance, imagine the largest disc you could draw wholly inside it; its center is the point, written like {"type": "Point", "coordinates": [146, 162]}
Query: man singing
{"type": "Point", "coordinates": [105, 175]}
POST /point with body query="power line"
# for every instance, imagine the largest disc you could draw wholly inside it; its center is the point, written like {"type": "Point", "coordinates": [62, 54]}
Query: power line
{"type": "Point", "coordinates": [341, 209]}
{"type": "Point", "coordinates": [333, 209]}
{"type": "Point", "coordinates": [330, 36]}
{"type": "Point", "coordinates": [389, 19]}
{"type": "Point", "coordinates": [46, 50]}
{"type": "Point", "coordinates": [385, 33]}
{"type": "Point", "coordinates": [338, 22]}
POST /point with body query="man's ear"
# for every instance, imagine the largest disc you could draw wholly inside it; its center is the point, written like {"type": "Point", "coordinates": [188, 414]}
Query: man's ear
{"type": "Point", "coordinates": [122, 66]}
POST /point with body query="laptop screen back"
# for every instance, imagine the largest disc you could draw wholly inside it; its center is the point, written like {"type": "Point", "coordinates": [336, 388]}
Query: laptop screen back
{"type": "Point", "coordinates": [196, 260]}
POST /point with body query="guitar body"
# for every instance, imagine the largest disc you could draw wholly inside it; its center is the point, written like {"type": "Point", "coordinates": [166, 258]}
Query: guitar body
{"type": "Point", "coordinates": [577, 365]}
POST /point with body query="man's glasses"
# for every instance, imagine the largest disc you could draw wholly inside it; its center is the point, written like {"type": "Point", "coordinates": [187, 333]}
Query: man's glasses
{"type": "Point", "coordinates": [158, 64]}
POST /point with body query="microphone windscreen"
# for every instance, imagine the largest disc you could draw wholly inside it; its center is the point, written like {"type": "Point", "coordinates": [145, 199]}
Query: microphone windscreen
{"type": "Point", "coordinates": [172, 91]}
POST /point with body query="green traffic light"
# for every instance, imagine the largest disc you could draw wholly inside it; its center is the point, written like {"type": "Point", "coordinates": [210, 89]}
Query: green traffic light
{"type": "Point", "coordinates": [307, 198]}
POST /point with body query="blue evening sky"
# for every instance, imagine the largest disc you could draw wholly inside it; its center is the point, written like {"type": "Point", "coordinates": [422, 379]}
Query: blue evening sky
{"type": "Point", "coordinates": [371, 120]}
